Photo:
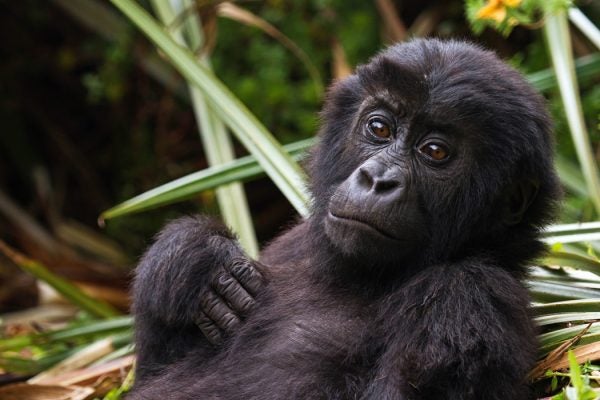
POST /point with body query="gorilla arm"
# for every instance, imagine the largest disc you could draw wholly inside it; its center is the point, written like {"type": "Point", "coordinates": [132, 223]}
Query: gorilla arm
{"type": "Point", "coordinates": [459, 330]}
{"type": "Point", "coordinates": [193, 287]}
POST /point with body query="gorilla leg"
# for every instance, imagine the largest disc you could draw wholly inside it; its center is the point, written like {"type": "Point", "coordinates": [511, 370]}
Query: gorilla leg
{"type": "Point", "coordinates": [193, 286]}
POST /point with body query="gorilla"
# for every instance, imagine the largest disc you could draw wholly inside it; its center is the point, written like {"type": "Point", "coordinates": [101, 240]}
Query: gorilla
{"type": "Point", "coordinates": [431, 181]}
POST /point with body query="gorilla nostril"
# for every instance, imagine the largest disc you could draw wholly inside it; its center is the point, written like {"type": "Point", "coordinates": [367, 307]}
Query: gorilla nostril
{"type": "Point", "coordinates": [385, 185]}
{"type": "Point", "coordinates": [364, 178]}
{"type": "Point", "coordinates": [379, 182]}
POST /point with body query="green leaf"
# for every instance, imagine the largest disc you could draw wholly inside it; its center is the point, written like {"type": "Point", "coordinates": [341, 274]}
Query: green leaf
{"type": "Point", "coordinates": [243, 169]}
{"type": "Point", "coordinates": [585, 67]}
{"type": "Point", "coordinates": [85, 330]}
{"type": "Point", "coordinates": [281, 168]}
{"type": "Point", "coordinates": [558, 40]}
{"type": "Point", "coordinates": [550, 340]}
{"type": "Point", "coordinates": [575, 373]}
{"type": "Point", "coordinates": [573, 260]}
{"type": "Point", "coordinates": [569, 306]}
{"type": "Point", "coordinates": [545, 292]}
{"type": "Point", "coordinates": [562, 318]}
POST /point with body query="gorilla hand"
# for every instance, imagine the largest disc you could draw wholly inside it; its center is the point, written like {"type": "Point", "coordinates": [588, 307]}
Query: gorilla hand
{"type": "Point", "coordinates": [195, 275]}
{"type": "Point", "coordinates": [229, 298]}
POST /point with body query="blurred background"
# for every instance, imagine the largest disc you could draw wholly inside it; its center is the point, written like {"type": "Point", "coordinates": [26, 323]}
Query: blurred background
{"type": "Point", "coordinates": [93, 115]}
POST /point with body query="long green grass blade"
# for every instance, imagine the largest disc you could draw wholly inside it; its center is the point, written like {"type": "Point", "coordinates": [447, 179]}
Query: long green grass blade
{"type": "Point", "coordinates": [585, 232]}
{"type": "Point", "coordinates": [585, 67]}
{"type": "Point", "coordinates": [551, 339]}
{"type": "Point", "coordinates": [562, 318]}
{"type": "Point", "coordinates": [570, 175]}
{"type": "Point", "coordinates": [571, 306]}
{"type": "Point", "coordinates": [573, 260]}
{"type": "Point", "coordinates": [215, 138]}
{"type": "Point", "coordinates": [243, 169]}
{"type": "Point", "coordinates": [558, 39]}
{"type": "Point", "coordinates": [572, 277]}
{"type": "Point", "coordinates": [113, 325]}
{"type": "Point", "coordinates": [281, 168]}
{"type": "Point", "coordinates": [32, 366]}
{"type": "Point", "coordinates": [545, 292]}
{"type": "Point", "coordinates": [85, 330]}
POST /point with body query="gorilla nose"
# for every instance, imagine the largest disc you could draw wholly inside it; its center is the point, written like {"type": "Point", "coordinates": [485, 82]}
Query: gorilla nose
{"type": "Point", "coordinates": [377, 179]}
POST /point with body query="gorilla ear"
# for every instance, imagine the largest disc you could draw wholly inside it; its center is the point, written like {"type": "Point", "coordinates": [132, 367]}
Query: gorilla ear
{"type": "Point", "coordinates": [518, 199]}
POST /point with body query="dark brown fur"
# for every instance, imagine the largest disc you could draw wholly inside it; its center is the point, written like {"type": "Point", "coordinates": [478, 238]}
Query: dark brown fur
{"type": "Point", "coordinates": [442, 317]}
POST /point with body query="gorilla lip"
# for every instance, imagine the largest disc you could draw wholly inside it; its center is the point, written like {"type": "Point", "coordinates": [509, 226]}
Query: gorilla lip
{"type": "Point", "coordinates": [362, 223]}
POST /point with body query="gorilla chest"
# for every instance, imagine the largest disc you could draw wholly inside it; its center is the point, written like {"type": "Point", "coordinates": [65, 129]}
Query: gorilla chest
{"type": "Point", "coordinates": [326, 339]}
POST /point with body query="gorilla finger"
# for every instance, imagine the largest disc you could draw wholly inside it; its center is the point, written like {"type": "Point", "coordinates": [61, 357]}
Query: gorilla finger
{"type": "Point", "coordinates": [248, 275]}
{"type": "Point", "coordinates": [232, 291]}
{"type": "Point", "coordinates": [217, 310]}
{"type": "Point", "coordinates": [209, 329]}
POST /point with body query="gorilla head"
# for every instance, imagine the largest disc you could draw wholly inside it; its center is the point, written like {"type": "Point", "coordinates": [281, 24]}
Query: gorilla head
{"type": "Point", "coordinates": [430, 149]}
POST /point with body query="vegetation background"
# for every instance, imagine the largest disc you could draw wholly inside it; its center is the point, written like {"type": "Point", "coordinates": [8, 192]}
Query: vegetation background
{"type": "Point", "coordinates": [92, 115]}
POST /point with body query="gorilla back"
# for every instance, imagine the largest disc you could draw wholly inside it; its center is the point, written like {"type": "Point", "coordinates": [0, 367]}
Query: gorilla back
{"type": "Point", "coordinates": [431, 180]}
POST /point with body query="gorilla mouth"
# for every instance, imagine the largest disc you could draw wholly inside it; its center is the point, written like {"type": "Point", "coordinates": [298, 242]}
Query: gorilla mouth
{"type": "Point", "coordinates": [361, 223]}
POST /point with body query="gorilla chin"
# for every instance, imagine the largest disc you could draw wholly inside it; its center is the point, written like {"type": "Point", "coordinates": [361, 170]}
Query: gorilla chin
{"type": "Point", "coordinates": [355, 236]}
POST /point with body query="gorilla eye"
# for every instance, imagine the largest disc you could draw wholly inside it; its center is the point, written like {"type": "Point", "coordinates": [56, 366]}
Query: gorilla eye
{"type": "Point", "coordinates": [435, 151]}
{"type": "Point", "coordinates": [379, 127]}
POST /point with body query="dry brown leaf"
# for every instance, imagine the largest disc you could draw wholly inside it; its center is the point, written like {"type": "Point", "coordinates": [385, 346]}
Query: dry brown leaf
{"type": "Point", "coordinates": [426, 23]}
{"type": "Point", "coordinates": [340, 66]}
{"type": "Point", "coordinates": [78, 360]}
{"type": "Point", "coordinates": [113, 371]}
{"type": "Point", "coordinates": [46, 313]}
{"type": "Point", "coordinates": [560, 352]}
{"type": "Point", "coordinates": [395, 29]}
{"type": "Point", "coordinates": [22, 391]}
{"type": "Point", "coordinates": [58, 257]}
{"type": "Point", "coordinates": [118, 297]}
{"type": "Point", "coordinates": [588, 352]}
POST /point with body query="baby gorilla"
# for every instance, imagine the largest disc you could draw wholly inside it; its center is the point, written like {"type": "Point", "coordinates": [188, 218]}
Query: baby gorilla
{"type": "Point", "coordinates": [431, 180]}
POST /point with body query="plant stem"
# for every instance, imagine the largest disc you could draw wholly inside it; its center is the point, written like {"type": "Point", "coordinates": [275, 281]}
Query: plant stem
{"type": "Point", "coordinates": [558, 40]}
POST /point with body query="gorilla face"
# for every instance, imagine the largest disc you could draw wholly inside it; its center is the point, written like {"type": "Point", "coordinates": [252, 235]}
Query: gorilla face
{"type": "Point", "coordinates": [380, 205]}
{"type": "Point", "coordinates": [430, 152]}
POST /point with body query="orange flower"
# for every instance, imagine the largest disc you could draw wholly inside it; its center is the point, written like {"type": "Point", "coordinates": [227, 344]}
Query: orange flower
{"type": "Point", "coordinates": [511, 3]}
{"type": "Point", "coordinates": [496, 9]}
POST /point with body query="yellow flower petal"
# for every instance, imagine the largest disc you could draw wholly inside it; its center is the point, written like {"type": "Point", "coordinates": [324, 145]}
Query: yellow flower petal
{"type": "Point", "coordinates": [492, 10]}
{"type": "Point", "coordinates": [511, 3]}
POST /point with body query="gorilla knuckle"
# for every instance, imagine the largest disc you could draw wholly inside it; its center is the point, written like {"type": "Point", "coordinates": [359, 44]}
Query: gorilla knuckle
{"type": "Point", "coordinates": [208, 328]}
{"type": "Point", "coordinates": [248, 275]}
{"type": "Point", "coordinates": [229, 322]}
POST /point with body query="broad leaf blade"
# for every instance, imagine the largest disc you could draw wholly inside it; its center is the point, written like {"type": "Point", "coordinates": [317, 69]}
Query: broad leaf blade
{"type": "Point", "coordinates": [243, 169]}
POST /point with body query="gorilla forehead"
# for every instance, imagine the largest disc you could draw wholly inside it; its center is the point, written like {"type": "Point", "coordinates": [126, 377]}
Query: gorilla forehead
{"type": "Point", "coordinates": [420, 69]}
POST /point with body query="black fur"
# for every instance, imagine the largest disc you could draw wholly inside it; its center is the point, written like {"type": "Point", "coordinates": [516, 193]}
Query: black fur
{"type": "Point", "coordinates": [417, 293]}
